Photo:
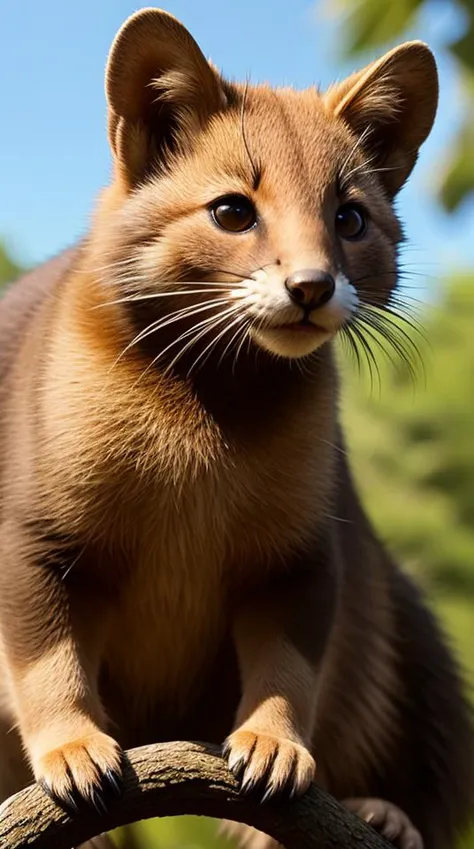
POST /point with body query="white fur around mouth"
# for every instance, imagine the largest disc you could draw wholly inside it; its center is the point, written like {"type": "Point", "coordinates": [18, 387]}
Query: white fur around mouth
{"type": "Point", "coordinates": [291, 342]}
{"type": "Point", "coordinates": [345, 297]}
{"type": "Point", "coordinates": [283, 334]}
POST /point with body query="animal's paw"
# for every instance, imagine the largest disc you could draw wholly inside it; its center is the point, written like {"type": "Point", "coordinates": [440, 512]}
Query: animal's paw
{"type": "Point", "coordinates": [389, 820]}
{"type": "Point", "coordinates": [84, 771]}
{"type": "Point", "coordinates": [269, 764]}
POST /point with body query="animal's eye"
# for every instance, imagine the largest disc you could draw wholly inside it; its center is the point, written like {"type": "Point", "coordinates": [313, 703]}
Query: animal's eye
{"type": "Point", "coordinates": [351, 221]}
{"type": "Point", "coordinates": [235, 213]}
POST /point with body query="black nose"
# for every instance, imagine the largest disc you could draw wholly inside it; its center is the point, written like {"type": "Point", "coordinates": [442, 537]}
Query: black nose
{"type": "Point", "coordinates": [310, 287]}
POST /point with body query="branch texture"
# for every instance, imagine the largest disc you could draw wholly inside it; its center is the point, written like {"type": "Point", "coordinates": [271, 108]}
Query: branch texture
{"type": "Point", "coordinates": [171, 779]}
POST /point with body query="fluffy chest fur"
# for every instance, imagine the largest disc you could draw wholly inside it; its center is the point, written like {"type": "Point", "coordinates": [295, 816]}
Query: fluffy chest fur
{"type": "Point", "coordinates": [176, 471]}
{"type": "Point", "coordinates": [196, 549]}
{"type": "Point", "coordinates": [187, 510]}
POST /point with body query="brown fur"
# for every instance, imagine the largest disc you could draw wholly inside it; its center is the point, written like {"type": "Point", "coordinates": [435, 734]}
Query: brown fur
{"type": "Point", "coordinates": [183, 553]}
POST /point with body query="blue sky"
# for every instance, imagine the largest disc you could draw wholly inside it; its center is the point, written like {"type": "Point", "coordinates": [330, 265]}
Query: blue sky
{"type": "Point", "coordinates": [53, 148]}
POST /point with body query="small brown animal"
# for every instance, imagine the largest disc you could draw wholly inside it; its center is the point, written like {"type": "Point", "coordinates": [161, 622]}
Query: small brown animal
{"type": "Point", "coordinates": [183, 552]}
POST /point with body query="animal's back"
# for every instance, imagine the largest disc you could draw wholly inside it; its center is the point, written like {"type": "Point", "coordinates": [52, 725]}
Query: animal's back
{"type": "Point", "coordinates": [395, 721]}
{"type": "Point", "coordinates": [21, 301]}
{"type": "Point", "coordinates": [18, 306]}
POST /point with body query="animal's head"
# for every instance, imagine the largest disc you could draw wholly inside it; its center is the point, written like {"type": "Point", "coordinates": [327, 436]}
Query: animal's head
{"type": "Point", "coordinates": [252, 214]}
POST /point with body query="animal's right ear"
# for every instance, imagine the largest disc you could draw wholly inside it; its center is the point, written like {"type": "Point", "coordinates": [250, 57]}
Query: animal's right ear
{"type": "Point", "coordinates": [160, 91]}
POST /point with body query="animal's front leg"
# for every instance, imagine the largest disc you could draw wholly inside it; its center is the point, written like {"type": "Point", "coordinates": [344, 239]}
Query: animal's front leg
{"type": "Point", "coordinates": [50, 651]}
{"type": "Point", "coordinates": [281, 636]}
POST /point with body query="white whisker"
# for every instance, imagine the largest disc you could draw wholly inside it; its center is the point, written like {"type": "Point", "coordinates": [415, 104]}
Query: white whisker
{"type": "Point", "coordinates": [156, 296]}
{"type": "Point", "coordinates": [209, 324]}
{"type": "Point", "coordinates": [235, 335]}
{"type": "Point", "coordinates": [245, 336]}
{"type": "Point", "coordinates": [176, 315]}
{"type": "Point", "coordinates": [213, 343]}
{"type": "Point", "coordinates": [110, 266]}
{"type": "Point", "coordinates": [186, 312]}
{"type": "Point", "coordinates": [359, 141]}
{"type": "Point", "coordinates": [206, 323]}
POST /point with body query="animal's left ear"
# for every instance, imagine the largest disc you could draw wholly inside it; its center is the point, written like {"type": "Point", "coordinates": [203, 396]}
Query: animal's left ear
{"type": "Point", "coordinates": [391, 105]}
{"type": "Point", "coordinates": [160, 90]}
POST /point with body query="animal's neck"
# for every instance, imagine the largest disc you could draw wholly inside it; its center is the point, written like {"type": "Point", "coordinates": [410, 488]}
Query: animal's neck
{"type": "Point", "coordinates": [251, 396]}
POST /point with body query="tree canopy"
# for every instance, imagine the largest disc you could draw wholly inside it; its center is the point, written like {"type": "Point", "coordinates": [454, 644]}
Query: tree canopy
{"type": "Point", "coordinates": [368, 24]}
{"type": "Point", "coordinates": [9, 268]}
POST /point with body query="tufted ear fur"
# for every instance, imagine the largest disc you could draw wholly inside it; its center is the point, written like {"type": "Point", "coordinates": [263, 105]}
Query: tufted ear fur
{"type": "Point", "coordinates": [160, 91]}
{"type": "Point", "coordinates": [391, 106]}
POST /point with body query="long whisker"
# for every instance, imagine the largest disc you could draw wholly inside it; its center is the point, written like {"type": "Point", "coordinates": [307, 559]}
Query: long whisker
{"type": "Point", "coordinates": [391, 273]}
{"type": "Point", "coordinates": [131, 260]}
{"type": "Point", "coordinates": [206, 323]}
{"type": "Point", "coordinates": [403, 347]}
{"type": "Point", "coordinates": [367, 319]}
{"type": "Point", "coordinates": [210, 324]}
{"type": "Point", "coordinates": [396, 310]}
{"type": "Point", "coordinates": [358, 168]}
{"type": "Point", "coordinates": [157, 295]}
{"type": "Point", "coordinates": [349, 341]}
{"type": "Point", "coordinates": [184, 312]}
{"type": "Point", "coordinates": [368, 170]}
{"type": "Point", "coordinates": [358, 143]}
{"type": "Point", "coordinates": [369, 354]}
{"type": "Point", "coordinates": [256, 168]}
{"type": "Point", "coordinates": [246, 336]}
{"type": "Point", "coordinates": [160, 323]}
{"type": "Point", "coordinates": [209, 348]}
{"type": "Point", "coordinates": [382, 327]}
{"type": "Point", "coordinates": [228, 347]}
{"type": "Point", "coordinates": [402, 272]}
{"type": "Point", "coordinates": [393, 317]}
{"type": "Point", "coordinates": [143, 280]}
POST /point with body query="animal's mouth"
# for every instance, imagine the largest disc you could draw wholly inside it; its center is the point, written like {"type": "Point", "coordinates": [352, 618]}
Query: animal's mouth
{"type": "Point", "coordinates": [302, 326]}
{"type": "Point", "coordinates": [297, 338]}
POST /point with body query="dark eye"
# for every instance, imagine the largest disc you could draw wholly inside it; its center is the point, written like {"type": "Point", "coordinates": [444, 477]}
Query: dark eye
{"type": "Point", "coordinates": [351, 221]}
{"type": "Point", "coordinates": [235, 213]}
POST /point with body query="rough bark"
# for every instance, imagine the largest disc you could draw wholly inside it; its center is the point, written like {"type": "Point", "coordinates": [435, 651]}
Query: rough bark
{"type": "Point", "coordinates": [171, 779]}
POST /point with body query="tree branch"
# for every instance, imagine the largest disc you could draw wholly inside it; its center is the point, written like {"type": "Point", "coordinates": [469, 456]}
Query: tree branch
{"type": "Point", "coordinates": [171, 779]}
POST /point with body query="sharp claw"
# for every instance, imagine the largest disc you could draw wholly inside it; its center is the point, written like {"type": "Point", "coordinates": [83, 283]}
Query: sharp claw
{"type": "Point", "coordinates": [114, 780]}
{"type": "Point", "coordinates": [249, 784]}
{"type": "Point", "coordinates": [72, 802]}
{"type": "Point", "coordinates": [66, 801]}
{"type": "Point", "coordinates": [267, 795]}
{"type": "Point", "coordinates": [97, 802]}
{"type": "Point", "coordinates": [236, 766]}
{"type": "Point", "coordinates": [45, 788]}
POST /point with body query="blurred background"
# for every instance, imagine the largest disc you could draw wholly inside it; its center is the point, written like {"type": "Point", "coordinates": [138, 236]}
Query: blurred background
{"type": "Point", "coordinates": [412, 441]}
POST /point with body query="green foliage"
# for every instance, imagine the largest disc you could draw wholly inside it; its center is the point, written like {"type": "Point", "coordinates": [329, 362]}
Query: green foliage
{"type": "Point", "coordinates": [413, 450]}
{"type": "Point", "coordinates": [368, 25]}
{"type": "Point", "coordinates": [172, 833]}
{"type": "Point", "coordinates": [458, 180]}
{"type": "Point", "coordinates": [9, 269]}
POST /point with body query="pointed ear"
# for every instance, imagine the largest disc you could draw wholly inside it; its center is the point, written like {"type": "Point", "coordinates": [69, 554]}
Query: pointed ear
{"type": "Point", "coordinates": [160, 91]}
{"type": "Point", "coordinates": [391, 106]}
